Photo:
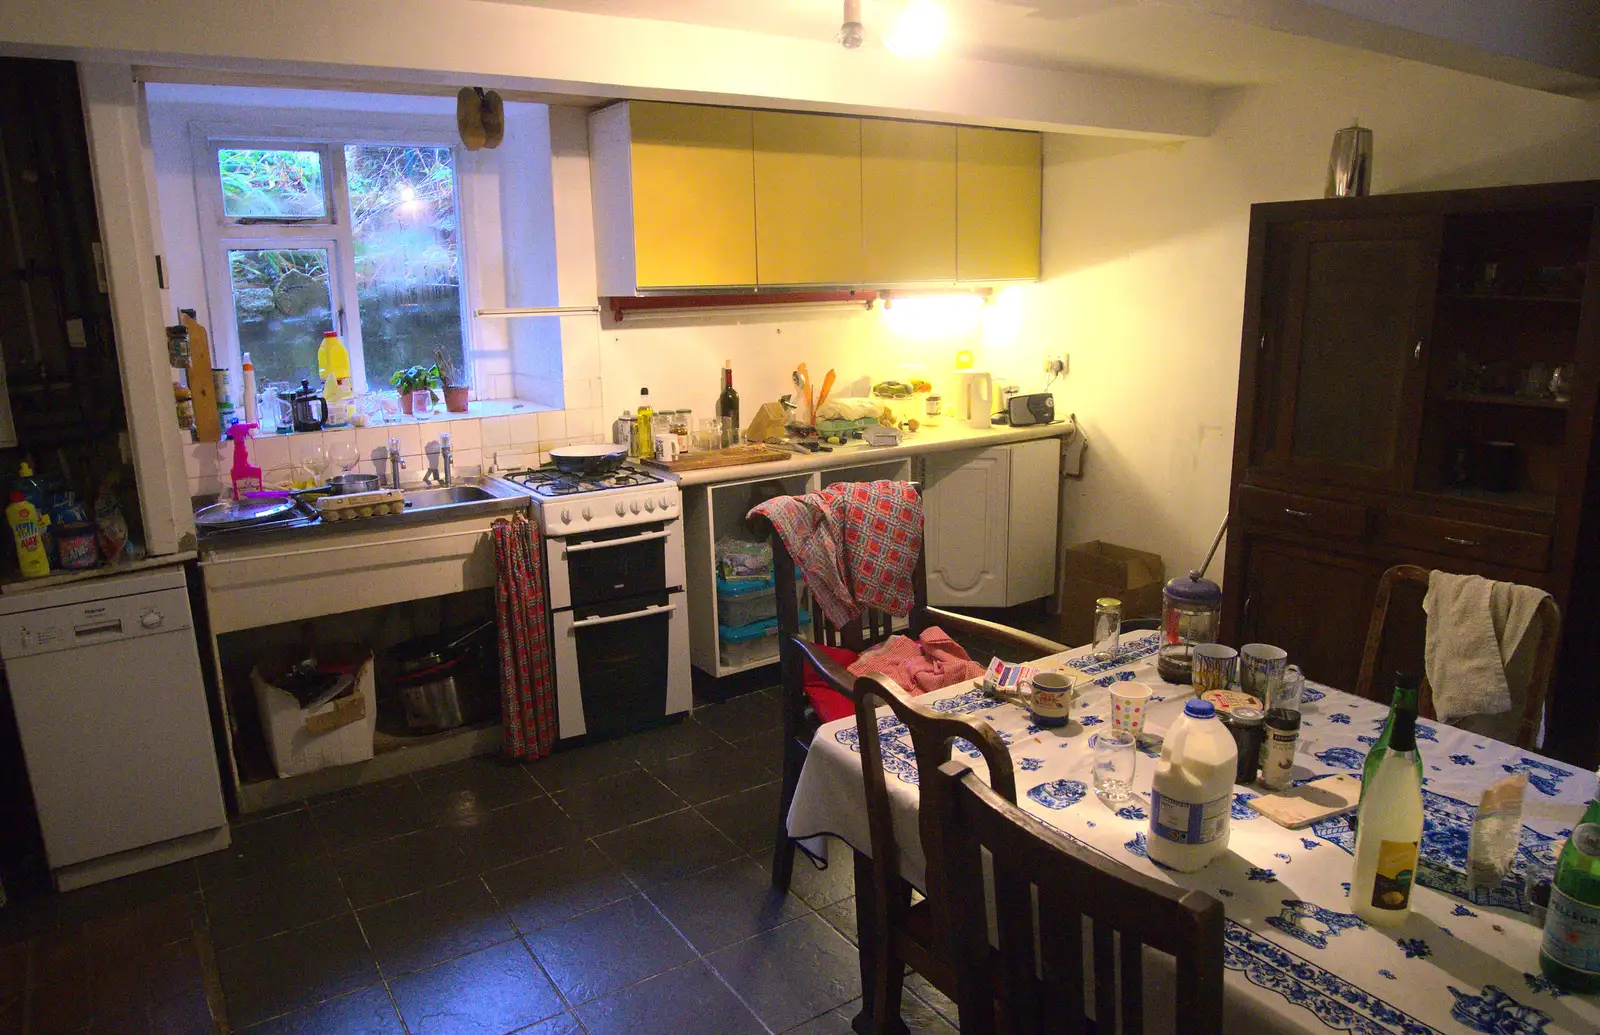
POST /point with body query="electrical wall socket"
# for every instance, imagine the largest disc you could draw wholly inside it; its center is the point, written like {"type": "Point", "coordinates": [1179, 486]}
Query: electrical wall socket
{"type": "Point", "coordinates": [1056, 364]}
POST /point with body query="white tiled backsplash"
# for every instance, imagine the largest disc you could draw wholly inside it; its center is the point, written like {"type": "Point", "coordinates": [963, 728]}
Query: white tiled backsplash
{"type": "Point", "coordinates": [512, 439]}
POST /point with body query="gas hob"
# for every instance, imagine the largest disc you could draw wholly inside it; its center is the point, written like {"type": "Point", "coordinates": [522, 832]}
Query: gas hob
{"type": "Point", "coordinates": [568, 504]}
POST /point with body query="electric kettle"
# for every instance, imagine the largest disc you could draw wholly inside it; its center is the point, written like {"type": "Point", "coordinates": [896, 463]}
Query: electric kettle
{"type": "Point", "coordinates": [974, 397]}
{"type": "Point", "coordinates": [309, 408]}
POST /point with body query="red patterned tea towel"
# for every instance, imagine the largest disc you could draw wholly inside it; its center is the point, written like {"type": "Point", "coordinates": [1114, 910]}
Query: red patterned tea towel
{"type": "Point", "coordinates": [527, 677]}
{"type": "Point", "coordinates": [856, 543]}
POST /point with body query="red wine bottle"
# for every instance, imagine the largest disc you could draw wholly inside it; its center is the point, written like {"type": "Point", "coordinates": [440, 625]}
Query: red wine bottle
{"type": "Point", "coordinates": [728, 407]}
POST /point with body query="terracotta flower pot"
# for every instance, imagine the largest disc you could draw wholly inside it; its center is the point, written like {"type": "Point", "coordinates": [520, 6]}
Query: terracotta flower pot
{"type": "Point", "coordinates": [455, 398]}
{"type": "Point", "coordinates": [405, 403]}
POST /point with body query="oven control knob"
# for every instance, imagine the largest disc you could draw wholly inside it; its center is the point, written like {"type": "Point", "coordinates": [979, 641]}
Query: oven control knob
{"type": "Point", "coordinates": [588, 515]}
{"type": "Point", "coordinates": [566, 517]}
{"type": "Point", "coordinates": [649, 504]}
{"type": "Point", "coordinates": [634, 506]}
{"type": "Point", "coordinates": [666, 502]}
{"type": "Point", "coordinates": [622, 509]}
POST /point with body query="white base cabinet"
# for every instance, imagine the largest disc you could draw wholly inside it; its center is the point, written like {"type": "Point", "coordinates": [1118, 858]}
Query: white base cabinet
{"type": "Point", "coordinates": [990, 524]}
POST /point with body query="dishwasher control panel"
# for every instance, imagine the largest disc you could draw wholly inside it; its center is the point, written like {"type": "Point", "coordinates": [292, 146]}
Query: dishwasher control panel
{"type": "Point", "coordinates": [99, 621]}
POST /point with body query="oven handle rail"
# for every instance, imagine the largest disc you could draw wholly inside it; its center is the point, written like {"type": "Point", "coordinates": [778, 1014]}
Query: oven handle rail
{"type": "Point", "coordinates": [605, 544]}
{"type": "Point", "coordinates": [661, 609]}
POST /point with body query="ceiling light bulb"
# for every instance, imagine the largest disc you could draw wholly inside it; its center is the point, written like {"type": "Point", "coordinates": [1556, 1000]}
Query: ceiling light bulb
{"type": "Point", "coordinates": [850, 31]}
{"type": "Point", "coordinates": [918, 30]}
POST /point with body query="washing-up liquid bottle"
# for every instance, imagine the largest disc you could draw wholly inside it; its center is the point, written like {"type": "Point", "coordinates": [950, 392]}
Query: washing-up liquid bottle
{"type": "Point", "coordinates": [333, 366]}
{"type": "Point", "coordinates": [27, 530]}
{"type": "Point", "coordinates": [33, 490]}
{"type": "Point", "coordinates": [1192, 794]}
{"type": "Point", "coordinates": [246, 477]}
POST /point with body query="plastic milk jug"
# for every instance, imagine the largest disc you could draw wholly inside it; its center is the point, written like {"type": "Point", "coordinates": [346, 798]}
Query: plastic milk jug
{"type": "Point", "coordinates": [1192, 793]}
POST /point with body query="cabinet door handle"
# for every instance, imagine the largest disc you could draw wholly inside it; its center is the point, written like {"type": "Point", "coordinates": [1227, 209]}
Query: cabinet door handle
{"type": "Point", "coordinates": [1461, 542]}
{"type": "Point", "coordinates": [1416, 353]}
{"type": "Point", "coordinates": [1296, 513]}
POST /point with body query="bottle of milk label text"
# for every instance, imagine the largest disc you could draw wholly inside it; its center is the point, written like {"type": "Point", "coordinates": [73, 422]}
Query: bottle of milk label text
{"type": "Point", "coordinates": [1192, 792]}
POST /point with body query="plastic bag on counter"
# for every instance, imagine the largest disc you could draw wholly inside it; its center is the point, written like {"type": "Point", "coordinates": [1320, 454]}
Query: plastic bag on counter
{"type": "Point", "coordinates": [743, 560]}
{"type": "Point", "coordinates": [113, 527]}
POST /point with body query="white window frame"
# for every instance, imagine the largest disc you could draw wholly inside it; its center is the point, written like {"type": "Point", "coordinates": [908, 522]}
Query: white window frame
{"type": "Point", "coordinates": [220, 233]}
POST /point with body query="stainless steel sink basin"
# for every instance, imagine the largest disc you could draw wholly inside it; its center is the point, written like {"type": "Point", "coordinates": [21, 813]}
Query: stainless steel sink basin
{"type": "Point", "coordinates": [454, 495]}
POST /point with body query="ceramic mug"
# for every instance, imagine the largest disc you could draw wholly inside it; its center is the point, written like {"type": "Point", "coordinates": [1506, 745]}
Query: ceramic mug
{"type": "Point", "coordinates": [1261, 665]}
{"type": "Point", "coordinates": [1050, 699]}
{"type": "Point", "coordinates": [1129, 704]}
{"type": "Point", "coordinates": [1214, 666]}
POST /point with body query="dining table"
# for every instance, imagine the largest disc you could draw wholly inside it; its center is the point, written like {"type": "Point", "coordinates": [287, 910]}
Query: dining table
{"type": "Point", "coordinates": [1296, 957]}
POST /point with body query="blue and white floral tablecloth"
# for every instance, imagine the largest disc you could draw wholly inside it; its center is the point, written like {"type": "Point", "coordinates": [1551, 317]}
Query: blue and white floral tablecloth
{"type": "Point", "coordinates": [1297, 959]}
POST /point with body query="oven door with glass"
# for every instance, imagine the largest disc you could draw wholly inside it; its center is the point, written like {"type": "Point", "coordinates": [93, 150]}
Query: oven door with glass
{"type": "Point", "coordinates": [621, 664]}
{"type": "Point", "coordinates": [592, 567]}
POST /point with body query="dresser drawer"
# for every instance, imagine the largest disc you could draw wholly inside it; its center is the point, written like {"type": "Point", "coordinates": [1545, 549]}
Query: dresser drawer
{"type": "Point", "coordinates": [1291, 512]}
{"type": "Point", "coordinates": [1515, 549]}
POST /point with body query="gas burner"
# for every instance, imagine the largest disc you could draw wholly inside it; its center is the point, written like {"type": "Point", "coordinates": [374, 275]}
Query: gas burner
{"type": "Point", "coordinates": [550, 481]}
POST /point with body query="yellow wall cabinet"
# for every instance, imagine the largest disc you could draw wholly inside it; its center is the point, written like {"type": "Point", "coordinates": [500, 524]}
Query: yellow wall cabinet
{"type": "Point", "coordinates": [998, 196]}
{"type": "Point", "coordinates": [674, 197]}
{"type": "Point", "coordinates": [688, 197]}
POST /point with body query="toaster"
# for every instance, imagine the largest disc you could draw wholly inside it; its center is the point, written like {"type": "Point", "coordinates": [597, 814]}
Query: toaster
{"type": "Point", "coordinates": [1038, 408]}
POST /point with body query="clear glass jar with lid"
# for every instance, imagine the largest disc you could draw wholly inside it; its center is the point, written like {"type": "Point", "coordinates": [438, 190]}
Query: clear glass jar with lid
{"type": "Point", "coordinates": [1107, 628]}
{"type": "Point", "coordinates": [1191, 613]}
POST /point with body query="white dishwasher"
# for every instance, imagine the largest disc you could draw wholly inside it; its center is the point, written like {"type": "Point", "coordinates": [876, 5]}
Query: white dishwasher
{"type": "Point", "coordinates": [111, 707]}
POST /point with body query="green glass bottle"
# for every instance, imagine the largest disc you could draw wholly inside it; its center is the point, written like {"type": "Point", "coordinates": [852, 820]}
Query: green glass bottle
{"type": "Point", "coordinates": [1405, 698]}
{"type": "Point", "coordinates": [1570, 955]}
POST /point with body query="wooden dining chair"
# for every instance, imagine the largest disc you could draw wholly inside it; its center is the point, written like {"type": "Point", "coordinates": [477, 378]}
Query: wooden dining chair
{"type": "Point", "coordinates": [797, 647]}
{"type": "Point", "coordinates": [895, 932]}
{"type": "Point", "coordinates": [1389, 650]}
{"type": "Point", "coordinates": [1041, 980]}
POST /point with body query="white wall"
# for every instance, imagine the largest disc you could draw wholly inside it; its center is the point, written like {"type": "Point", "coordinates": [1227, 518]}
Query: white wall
{"type": "Point", "coordinates": [1145, 247]}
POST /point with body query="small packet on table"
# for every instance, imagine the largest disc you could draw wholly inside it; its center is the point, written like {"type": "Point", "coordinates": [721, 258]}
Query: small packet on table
{"type": "Point", "coordinates": [1004, 680]}
{"type": "Point", "coordinates": [1496, 832]}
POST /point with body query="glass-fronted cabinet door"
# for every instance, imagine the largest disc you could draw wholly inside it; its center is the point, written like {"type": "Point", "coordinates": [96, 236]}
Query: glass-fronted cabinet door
{"type": "Point", "coordinates": [1346, 319]}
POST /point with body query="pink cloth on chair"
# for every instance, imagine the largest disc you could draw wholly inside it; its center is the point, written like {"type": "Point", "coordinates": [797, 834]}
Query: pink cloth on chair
{"type": "Point", "coordinates": [919, 666]}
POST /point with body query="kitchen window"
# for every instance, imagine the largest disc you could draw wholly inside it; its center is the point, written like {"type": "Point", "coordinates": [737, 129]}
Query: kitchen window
{"type": "Point", "coordinates": [304, 237]}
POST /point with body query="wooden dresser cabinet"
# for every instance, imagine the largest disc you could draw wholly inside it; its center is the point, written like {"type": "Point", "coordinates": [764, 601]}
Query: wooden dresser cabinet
{"type": "Point", "coordinates": [1418, 385]}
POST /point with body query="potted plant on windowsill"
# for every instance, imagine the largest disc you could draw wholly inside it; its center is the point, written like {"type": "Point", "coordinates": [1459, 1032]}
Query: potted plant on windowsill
{"type": "Point", "coordinates": [455, 393]}
{"type": "Point", "coordinates": [416, 379]}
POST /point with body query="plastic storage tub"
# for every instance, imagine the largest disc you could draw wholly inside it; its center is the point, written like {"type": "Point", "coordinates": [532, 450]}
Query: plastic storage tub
{"type": "Point", "coordinates": [303, 740]}
{"type": "Point", "coordinates": [744, 603]}
{"type": "Point", "coordinates": [753, 643]}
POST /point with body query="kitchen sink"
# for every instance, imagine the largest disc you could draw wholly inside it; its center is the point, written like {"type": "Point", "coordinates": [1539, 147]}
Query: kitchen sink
{"type": "Point", "coordinates": [448, 496]}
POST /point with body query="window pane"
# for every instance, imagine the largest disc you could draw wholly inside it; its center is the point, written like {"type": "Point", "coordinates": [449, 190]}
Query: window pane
{"type": "Point", "coordinates": [282, 307]}
{"type": "Point", "coordinates": [266, 184]}
{"type": "Point", "coordinates": [405, 229]}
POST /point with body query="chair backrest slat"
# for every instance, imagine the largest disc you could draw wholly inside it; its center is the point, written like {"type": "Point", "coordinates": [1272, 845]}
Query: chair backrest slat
{"type": "Point", "coordinates": [1128, 910]}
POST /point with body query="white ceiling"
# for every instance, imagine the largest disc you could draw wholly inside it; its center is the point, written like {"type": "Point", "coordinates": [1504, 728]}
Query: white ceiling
{"type": "Point", "coordinates": [1110, 35]}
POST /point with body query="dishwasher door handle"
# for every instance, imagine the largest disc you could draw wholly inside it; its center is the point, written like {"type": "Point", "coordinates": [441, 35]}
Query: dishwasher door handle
{"type": "Point", "coordinates": [649, 612]}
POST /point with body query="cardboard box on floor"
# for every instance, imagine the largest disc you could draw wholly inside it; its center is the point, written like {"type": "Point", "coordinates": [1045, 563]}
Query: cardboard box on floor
{"type": "Point", "coordinates": [1098, 569]}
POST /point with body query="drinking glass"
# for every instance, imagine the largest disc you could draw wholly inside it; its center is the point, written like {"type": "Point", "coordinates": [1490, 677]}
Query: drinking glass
{"type": "Point", "coordinates": [1114, 759]}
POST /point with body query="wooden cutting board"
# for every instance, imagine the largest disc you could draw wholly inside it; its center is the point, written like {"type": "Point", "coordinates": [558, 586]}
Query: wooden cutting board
{"type": "Point", "coordinates": [202, 387]}
{"type": "Point", "coordinates": [733, 456]}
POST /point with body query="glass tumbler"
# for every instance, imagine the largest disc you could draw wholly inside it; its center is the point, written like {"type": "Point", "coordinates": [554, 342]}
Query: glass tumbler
{"type": "Point", "coordinates": [1114, 758]}
{"type": "Point", "coordinates": [1107, 627]}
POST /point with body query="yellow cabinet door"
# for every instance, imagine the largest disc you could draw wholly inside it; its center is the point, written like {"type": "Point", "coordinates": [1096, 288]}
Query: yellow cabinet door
{"type": "Point", "coordinates": [908, 202]}
{"type": "Point", "coordinates": [998, 187]}
{"type": "Point", "coordinates": [693, 196]}
{"type": "Point", "coordinates": [808, 199]}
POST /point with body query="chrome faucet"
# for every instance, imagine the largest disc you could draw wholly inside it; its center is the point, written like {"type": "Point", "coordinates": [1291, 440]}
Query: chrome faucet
{"type": "Point", "coordinates": [396, 462]}
{"type": "Point", "coordinates": [447, 459]}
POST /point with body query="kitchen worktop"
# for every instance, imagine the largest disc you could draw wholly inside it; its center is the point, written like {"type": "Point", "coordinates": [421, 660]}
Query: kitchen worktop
{"type": "Point", "coordinates": [950, 434]}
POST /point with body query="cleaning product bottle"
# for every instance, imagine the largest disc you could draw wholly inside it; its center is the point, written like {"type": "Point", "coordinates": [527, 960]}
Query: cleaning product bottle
{"type": "Point", "coordinates": [333, 366]}
{"type": "Point", "coordinates": [1389, 835]}
{"type": "Point", "coordinates": [27, 530]}
{"type": "Point", "coordinates": [248, 380]}
{"type": "Point", "coordinates": [32, 489]}
{"type": "Point", "coordinates": [246, 477]}
{"type": "Point", "coordinates": [1192, 794]}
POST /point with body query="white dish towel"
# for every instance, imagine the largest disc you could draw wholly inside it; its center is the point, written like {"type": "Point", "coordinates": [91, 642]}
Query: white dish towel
{"type": "Point", "coordinates": [1475, 626]}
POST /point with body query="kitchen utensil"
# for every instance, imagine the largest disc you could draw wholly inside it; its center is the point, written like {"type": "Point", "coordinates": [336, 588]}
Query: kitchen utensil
{"type": "Point", "coordinates": [1191, 613]}
{"type": "Point", "coordinates": [827, 385]}
{"type": "Point", "coordinates": [1350, 164]}
{"type": "Point", "coordinates": [207, 428]}
{"type": "Point", "coordinates": [1261, 666]}
{"type": "Point", "coordinates": [233, 513]}
{"type": "Point", "coordinates": [733, 456]}
{"type": "Point", "coordinates": [348, 483]}
{"type": "Point", "coordinates": [309, 410]}
{"type": "Point", "coordinates": [597, 458]}
{"type": "Point", "coordinates": [1214, 666]}
{"type": "Point", "coordinates": [1050, 698]}
{"type": "Point", "coordinates": [811, 404]}
{"type": "Point", "coordinates": [345, 456]}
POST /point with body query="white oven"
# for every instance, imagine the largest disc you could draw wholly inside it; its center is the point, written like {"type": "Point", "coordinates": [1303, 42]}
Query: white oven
{"type": "Point", "coordinates": [619, 617]}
